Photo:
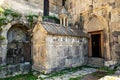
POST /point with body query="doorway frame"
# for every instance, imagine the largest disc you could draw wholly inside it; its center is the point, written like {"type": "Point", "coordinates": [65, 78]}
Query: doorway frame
{"type": "Point", "coordinates": [90, 42]}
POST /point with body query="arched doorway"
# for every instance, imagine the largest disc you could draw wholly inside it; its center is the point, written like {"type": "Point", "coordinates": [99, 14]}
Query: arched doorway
{"type": "Point", "coordinates": [18, 48]}
{"type": "Point", "coordinates": [96, 44]}
{"type": "Point", "coordinates": [97, 28]}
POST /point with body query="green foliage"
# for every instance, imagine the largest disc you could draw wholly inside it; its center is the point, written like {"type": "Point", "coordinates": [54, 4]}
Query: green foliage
{"type": "Point", "coordinates": [14, 14]}
{"type": "Point", "coordinates": [109, 71]}
{"type": "Point", "coordinates": [62, 72]}
{"type": "Point", "coordinates": [103, 71]}
{"type": "Point", "coordinates": [1, 10]}
{"type": "Point", "coordinates": [53, 18]}
{"type": "Point", "coordinates": [2, 38]}
{"type": "Point", "coordinates": [41, 78]}
{"type": "Point", "coordinates": [76, 78]}
{"type": "Point", "coordinates": [21, 77]}
{"type": "Point", "coordinates": [30, 18]}
{"type": "Point", "coordinates": [2, 21]}
{"type": "Point", "coordinates": [100, 74]}
{"type": "Point", "coordinates": [7, 12]}
{"type": "Point", "coordinates": [0, 29]}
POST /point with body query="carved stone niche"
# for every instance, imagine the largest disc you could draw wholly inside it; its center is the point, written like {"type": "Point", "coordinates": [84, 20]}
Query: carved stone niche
{"type": "Point", "coordinates": [17, 51]}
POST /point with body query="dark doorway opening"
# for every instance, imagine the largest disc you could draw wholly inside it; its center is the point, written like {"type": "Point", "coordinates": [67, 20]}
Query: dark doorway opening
{"type": "Point", "coordinates": [96, 45]}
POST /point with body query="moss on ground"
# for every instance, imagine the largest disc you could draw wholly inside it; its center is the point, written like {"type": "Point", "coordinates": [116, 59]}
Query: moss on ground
{"type": "Point", "coordinates": [21, 77]}
{"type": "Point", "coordinates": [103, 71]}
{"type": "Point", "coordinates": [77, 78]}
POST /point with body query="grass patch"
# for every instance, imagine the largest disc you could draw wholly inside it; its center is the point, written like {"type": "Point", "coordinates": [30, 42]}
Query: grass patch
{"type": "Point", "coordinates": [77, 78]}
{"type": "Point", "coordinates": [103, 71]}
{"type": "Point", "coordinates": [67, 70]}
{"type": "Point", "coordinates": [109, 71]}
{"type": "Point", "coordinates": [21, 77]}
{"type": "Point", "coordinates": [99, 74]}
{"type": "Point", "coordinates": [62, 72]}
{"type": "Point", "coordinates": [86, 66]}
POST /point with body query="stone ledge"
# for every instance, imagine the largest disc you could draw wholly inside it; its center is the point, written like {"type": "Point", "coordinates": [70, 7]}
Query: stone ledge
{"type": "Point", "coordinates": [13, 70]}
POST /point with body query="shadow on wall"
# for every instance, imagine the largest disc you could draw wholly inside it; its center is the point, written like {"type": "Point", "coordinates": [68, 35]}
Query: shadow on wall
{"type": "Point", "coordinates": [18, 48]}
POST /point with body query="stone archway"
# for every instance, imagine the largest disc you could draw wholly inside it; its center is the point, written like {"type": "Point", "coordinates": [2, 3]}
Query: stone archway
{"type": "Point", "coordinates": [18, 47]}
{"type": "Point", "coordinates": [97, 24]}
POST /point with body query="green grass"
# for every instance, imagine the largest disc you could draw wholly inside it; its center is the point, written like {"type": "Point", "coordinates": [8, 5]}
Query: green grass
{"type": "Point", "coordinates": [21, 77]}
{"type": "Point", "coordinates": [67, 70]}
{"type": "Point", "coordinates": [100, 73]}
{"type": "Point", "coordinates": [103, 71]}
{"type": "Point", "coordinates": [62, 72]}
{"type": "Point", "coordinates": [77, 78]}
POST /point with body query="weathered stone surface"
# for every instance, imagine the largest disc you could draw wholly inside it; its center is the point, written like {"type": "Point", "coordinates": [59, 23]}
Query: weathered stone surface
{"type": "Point", "coordinates": [103, 15]}
{"type": "Point", "coordinates": [62, 54]}
{"type": "Point", "coordinates": [13, 70]}
{"type": "Point", "coordinates": [95, 62]}
{"type": "Point", "coordinates": [69, 75]}
{"type": "Point", "coordinates": [110, 78]}
{"type": "Point", "coordinates": [57, 49]}
{"type": "Point", "coordinates": [110, 63]}
{"type": "Point", "coordinates": [32, 6]}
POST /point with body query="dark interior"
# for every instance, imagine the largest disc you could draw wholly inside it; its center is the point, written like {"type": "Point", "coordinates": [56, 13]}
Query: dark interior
{"type": "Point", "coordinates": [96, 45]}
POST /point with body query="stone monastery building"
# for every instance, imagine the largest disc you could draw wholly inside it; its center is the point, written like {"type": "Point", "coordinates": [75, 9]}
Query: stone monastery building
{"type": "Point", "coordinates": [87, 33]}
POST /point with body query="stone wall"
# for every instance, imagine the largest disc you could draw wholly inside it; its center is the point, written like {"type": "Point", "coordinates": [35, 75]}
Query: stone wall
{"type": "Point", "coordinates": [98, 15]}
{"type": "Point", "coordinates": [53, 52]}
{"type": "Point", "coordinates": [13, 70]}
{"type": "Point", "coordinates": [39, 49]}
{"type": "Point", "coordinates": [65, 52]}
{"type": "Point", "coordinates": [115, 34]}
{"type": "Point", "coordinates": [99, 7]}
{"type": "Point", "coordinates": [32, 6]}
{"type": "Point", "coordinates": [54, 7]}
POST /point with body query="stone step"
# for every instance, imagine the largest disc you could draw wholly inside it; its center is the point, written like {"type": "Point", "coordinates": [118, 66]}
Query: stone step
{"type": "Point", "coordinates": [95, 62]}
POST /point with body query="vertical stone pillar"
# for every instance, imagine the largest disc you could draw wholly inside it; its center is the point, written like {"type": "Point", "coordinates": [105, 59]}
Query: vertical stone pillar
{"type": "Point", "coordinates": [64, 22]}
{"type": "Point", "coordinates": [61, 21]}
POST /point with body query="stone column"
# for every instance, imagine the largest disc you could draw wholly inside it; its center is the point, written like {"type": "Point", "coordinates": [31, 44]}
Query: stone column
{"type": "Point", "coordinates": [64, 21]}
{"type": "Point", "coordinates": [61, 21]}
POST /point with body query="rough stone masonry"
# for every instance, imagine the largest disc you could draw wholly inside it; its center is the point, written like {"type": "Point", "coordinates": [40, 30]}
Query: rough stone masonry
{"type": "Point", "coordinates": [58, 47]}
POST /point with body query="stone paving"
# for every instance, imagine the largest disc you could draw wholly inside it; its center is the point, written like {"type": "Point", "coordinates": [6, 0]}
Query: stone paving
{"type": "Point", "coordinates": [69, 75]}
{"type": "Point", "coordinates": [110, 78]}
{"type": "Point", "coordinates": [85, 73]}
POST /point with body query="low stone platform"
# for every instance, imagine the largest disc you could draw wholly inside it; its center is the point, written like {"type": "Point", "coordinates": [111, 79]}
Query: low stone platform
{"type": "Point", "coordinates": [84, 74]}
{"type": "Point", "coordinates": [13, 70]}
{"type": "Point", "coordinates": [69, 75]}
{"type": "Point", "coordinates": [95, 62]}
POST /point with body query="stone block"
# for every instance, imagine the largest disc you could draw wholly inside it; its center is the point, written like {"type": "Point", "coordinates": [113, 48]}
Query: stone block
{"type": "Point", "coordinates": [68, 63]}
{"type": "Point", "coordinates": [110, 63]}
{"type": "Point", "coordinates": [25, 67]}
{"type": "Point", "coordinates": [75, 60]}
{"type": "Point", "coordinates": [12, 69]}
{"type": "Point", "coordinates": [3, 72]}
